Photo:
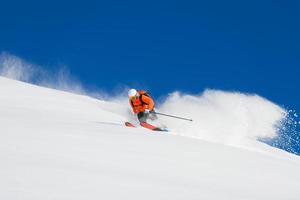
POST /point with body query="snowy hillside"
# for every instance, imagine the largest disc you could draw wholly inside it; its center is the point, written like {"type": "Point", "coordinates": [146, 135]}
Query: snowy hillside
{"type": "Point", "coordinates": [58, 145]}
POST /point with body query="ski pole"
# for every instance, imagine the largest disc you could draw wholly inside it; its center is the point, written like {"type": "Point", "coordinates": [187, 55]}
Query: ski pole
{"type": "Point", "coordinates": [173, 116]}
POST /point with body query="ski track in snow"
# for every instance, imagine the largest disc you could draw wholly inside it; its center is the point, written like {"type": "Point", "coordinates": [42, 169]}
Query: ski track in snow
{"type": "Point", "coordinates": [58, 145]}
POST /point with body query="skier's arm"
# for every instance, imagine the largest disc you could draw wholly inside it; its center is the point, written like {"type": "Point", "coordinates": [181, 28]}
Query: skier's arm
{"type": "Point", "coordinates": [132, 107]}
{"type": "Point", "coordinates": [149, 102]}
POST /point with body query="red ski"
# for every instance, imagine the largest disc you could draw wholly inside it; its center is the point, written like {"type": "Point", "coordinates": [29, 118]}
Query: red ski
{"type": "Point", "coordinates": [146, 125]}
{"type": "Point", "coordinates": [129, 124]}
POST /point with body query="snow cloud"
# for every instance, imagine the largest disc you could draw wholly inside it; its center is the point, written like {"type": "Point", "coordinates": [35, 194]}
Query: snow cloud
{"type": "Point", "coordinates": [19, 69]}
{"type": "Point", "coordinates": [226, 117]}
{"type": "Point", "coordinates": [16, 68]}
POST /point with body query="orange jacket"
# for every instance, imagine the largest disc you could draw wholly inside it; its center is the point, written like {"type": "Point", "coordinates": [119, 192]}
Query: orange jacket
{"type": "Point", "coordinates": [141, 103]}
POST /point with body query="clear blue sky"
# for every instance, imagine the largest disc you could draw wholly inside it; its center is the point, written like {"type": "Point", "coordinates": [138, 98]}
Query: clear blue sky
{"type": "Point", "coordinates": [248, 46]}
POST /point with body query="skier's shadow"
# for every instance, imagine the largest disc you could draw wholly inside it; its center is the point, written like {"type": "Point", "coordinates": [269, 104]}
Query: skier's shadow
{"type": "Point", "coordinates": [109, 123]}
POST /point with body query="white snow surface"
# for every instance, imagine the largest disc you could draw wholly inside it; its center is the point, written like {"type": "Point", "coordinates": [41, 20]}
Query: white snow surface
{"type": "Point", "coordinates": [59, 145]}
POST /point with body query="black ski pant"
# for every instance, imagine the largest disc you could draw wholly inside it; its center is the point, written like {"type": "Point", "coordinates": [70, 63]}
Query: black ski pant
{"type": "Point", "coordinates": [143, 117]}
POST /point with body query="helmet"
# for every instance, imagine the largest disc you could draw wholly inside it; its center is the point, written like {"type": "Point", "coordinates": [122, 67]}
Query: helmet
{"type": "Point", "coordinates": [132, 93]}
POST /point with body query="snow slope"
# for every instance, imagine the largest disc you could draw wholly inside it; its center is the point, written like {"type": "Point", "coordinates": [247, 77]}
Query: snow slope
{"type": "Point", "coordinates": [58, 145]}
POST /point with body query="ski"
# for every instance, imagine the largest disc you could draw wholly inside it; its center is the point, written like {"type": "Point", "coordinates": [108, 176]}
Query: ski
{"type": "Point", "coordinates": [149, 126]}
{"type": "Point", "coordinates": [128, 124]}
{"type": "Point", "coordinates": [146, 125]}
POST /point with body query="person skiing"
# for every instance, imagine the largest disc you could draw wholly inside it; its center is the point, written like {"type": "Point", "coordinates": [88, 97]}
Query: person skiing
{"type": "Point", "coordinates": [142, 105]}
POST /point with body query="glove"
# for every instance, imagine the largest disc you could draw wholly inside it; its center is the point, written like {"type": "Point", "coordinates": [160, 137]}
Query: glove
{"type": "Point", "coordinates": [147, 111]}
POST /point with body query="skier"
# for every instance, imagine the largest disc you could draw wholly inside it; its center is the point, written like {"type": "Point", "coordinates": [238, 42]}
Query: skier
{"type": "Point", "coordinates": [142, 105]}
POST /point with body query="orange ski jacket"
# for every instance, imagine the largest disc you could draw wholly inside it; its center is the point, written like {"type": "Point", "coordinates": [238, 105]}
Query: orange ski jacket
{"type": "Point", "coordinates": [141, 103]}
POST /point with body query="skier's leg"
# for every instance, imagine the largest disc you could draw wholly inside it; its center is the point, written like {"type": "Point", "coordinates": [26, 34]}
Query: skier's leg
{"type": "Point", "coordinates": [152, 116]}
{"type": "Point", "coordinates": [142, 117]}
{"type": "Point", "coordinates": [143, 121]}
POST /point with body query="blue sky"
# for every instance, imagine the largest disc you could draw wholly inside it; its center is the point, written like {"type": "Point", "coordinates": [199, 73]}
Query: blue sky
{"type": "Point", "coordinates": [165, 45]}
{"type": "Point", "coordinates": [247, 46]}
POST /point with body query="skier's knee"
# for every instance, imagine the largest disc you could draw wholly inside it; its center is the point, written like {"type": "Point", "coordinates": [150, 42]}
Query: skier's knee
{"type": "Point", "coordinates": [142, 117]}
